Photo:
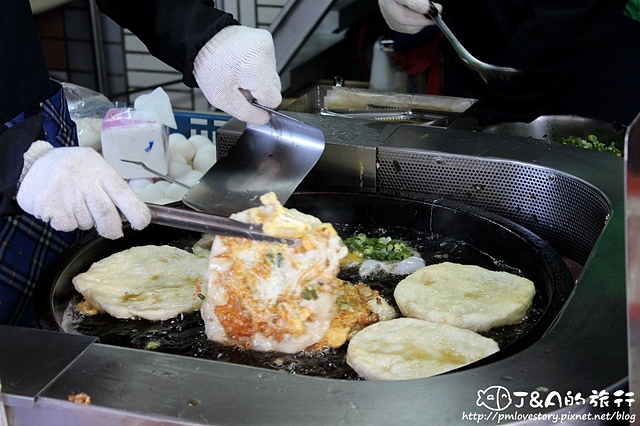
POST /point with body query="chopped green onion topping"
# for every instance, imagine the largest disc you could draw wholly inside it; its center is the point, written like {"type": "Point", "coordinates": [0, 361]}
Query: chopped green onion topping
{"type": "Point", "coordinates": [382, 248]}
{"type": "Point", "coordinates": [275, 258]}
{"type": "Point", "coordinates": [309, 294]}
{"type": "Point", "coordinates": [593, 143]}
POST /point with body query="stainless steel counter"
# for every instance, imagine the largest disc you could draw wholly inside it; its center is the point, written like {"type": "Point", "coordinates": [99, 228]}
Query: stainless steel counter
{"type": "Point", "coordinates": [586, 350]}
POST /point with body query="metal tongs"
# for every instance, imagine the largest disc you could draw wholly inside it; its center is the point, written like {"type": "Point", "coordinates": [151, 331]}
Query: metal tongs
{"type": "Point", "coordinates": [485, 70]}
{"type": "Point", "coordinates": [387, 114]}
{"type": "Point", "coordinates": [208, 223]}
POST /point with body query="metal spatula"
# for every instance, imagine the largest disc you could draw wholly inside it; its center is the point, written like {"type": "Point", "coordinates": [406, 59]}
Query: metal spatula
{"type": "Point", "coordinates": [485, 70]}
{"type": "Point", "coordinates": [274, 157]}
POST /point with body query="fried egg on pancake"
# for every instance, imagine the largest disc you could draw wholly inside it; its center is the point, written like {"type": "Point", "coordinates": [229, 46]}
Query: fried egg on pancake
{"type": "Point", "coordinates": [465, 296]}
{"type": "Point", "coordinates": [358, 306]}
{"type": "Point", "coordinates": [409, 348]}
{"type": "Point", "coordinates": [202, 247]}
{"type": "Point", "coordinates": [274, 296]}
{"type": "Point", "coordinates": [150, 282]}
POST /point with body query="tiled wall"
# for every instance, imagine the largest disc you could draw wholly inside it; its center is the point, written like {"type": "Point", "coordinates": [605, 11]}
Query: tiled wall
{"type": "Point", "coordinates": [123, 68]}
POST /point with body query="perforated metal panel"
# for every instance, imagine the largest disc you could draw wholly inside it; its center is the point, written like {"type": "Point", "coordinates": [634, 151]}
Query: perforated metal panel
{"type": "Point", "coordinates": [227, 136]}
{"type": "Point", "coordinates": [569, 213]}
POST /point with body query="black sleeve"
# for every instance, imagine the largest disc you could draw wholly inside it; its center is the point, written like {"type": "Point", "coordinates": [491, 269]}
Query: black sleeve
{"type": "Point", "coordinates": [558, 37]}
{"type": "Point", "coordinates": [174, 31]}
{"type": "Point", "coordinates": [24, 77]}
{"type": "Point", "coordinates": [14, 142]}
{"type": "Point", "coordinates": [550, 40]}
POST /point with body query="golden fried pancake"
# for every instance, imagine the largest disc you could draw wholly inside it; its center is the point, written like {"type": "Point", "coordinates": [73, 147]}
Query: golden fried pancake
{"type": "Point", "coordinates": [409, 348]}
{"type": "Point", "coordinates": [465, 296]}
{"type": "Point", "coordinates": [150, 282]}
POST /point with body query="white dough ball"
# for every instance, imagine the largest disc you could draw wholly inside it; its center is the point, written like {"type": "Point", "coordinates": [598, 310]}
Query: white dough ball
{"type": "Point", "coordinates": [138, 184]}
{"type": "Point", "coordinates": [89, 130]}
{"type": "Point", "coordinates": [177, 168]}
{"type": "Point", "coordinates": [205, 158]}
{"type": "Point", "coordinates": [174, 137]}
{"type": "Point", "coordinates": [178, 158]}
{"type": "Point", "coordinates": [175, 192]}
{"type": "Point", "coordinates": [207, 149]}
{"type": "Point", "coordinates": [150, 193]}
{"type": "Point", "coordinates": [199, 141]}
{"type": "Point", "coordinates": [162, 185]}
{"type": "Point", "coordinates": [203, 163]}
{"type": "Point", "coordinates": [137, 189]}
{"type": "Point", "coordinates": [191, 177]}
{"type": "Point", "coordinates": [185, 149]}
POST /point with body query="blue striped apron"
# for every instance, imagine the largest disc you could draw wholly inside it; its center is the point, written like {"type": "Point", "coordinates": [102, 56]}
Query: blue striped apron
{"type": "Point", "coordinates": [28, 245]}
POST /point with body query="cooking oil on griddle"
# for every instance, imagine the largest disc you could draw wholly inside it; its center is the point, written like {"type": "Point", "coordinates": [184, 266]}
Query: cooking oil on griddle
{"type": "Point", "coordinates": [185, 335]}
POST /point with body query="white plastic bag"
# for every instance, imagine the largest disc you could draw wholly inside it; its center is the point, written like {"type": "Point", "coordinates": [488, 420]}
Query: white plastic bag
{"type": "Point", "coordinates": [87, 109]}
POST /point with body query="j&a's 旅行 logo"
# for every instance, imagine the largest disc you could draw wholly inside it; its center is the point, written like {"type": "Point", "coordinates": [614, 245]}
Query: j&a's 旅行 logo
{"type": "Point", "coordinates": [494, 398]}
{"type": "Point", "coordinates": [499, 398]}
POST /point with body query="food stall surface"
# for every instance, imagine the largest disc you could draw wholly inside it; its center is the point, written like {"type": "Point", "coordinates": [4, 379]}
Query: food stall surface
{"type": "Point", "coordinates": [585, 351]}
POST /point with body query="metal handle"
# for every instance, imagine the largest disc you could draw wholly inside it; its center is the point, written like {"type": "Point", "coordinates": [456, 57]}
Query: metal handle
{"type": "Point", "coordinates": [274, 112]}
{"type": "Point", "coordinates": [203, 222]}
{"type": "Point", "coordinates": [150, 170]}
{"type": "Point", "coordinates": [433, 11]}
{"type": "Point", "coordinates": [247, 94]}
{"type": "Point", "coordinates": [464, 54]}
{"type": "Point", "coordinates": [485, 70]}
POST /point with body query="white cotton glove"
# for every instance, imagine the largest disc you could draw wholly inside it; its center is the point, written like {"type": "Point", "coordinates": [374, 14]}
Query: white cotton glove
{"type": "Point", "coordinates": [238, 58]}
{"type": "Point", "coordinates": [75, 188]}
{"type": "Point", "coordinates": [406, 16]}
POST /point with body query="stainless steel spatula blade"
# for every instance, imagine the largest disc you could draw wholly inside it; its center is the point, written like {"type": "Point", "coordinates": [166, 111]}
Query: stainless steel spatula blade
{"type": "Point", "coordinates": [270, 158]}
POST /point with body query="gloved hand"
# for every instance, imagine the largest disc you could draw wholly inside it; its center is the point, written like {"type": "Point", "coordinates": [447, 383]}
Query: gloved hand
{"type": "Point", "coordinates": [406, 16]}
{"type": "Point", "coordinates": [237, 58]}
{"type": "Point", "coordinates": [75, 188]}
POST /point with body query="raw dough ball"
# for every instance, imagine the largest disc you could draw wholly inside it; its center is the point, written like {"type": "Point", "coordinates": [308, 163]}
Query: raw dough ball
{"type": "Point", "coordinates": [203, 163]}
{"type": "Point", "coordinates": [174, 137]}
{"type": "Point", "coordinates": [205, 158]}
{"type": "Point", "coordinates": [175, 192]}
{"type": "Point", "coordinates": [207, 149]}
{"type": "Point", "coordinates": [162, 185]}
{"type": "Point", "coordinates": [177, 166]}
{"type": "Point", "coordinates": [138, 184]}
{"type": "Point", "coordinates": [177, 158]}
{"type": "Point", "coordinates": [191, 177]}
{"type": "Point", "coordinates": [89, 130]}
{"type": "Point", "coordinates": [184, 148]}
{"type": "Point", "coordinates": [150, 193]}
{"type": "Point", "coordinates": [199, 141]}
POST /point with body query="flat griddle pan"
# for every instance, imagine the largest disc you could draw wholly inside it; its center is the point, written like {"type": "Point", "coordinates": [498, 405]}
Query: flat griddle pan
{"type": "Point", "coordinates": [441, 230]}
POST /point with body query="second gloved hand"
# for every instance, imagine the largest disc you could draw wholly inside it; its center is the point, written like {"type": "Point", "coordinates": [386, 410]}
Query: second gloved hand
{"type": "Point", "coordinates": [75, 188]}
{"type": "Point", "coordinates": [238, 58]}
{"type": "Point", "coordinates": [406, 16]}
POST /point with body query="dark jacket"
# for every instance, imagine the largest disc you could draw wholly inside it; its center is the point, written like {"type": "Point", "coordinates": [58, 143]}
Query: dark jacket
{"type": "Point", "coordinates": [173, 30]}
{"type": "Point", "coordinates": [579, 57]}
